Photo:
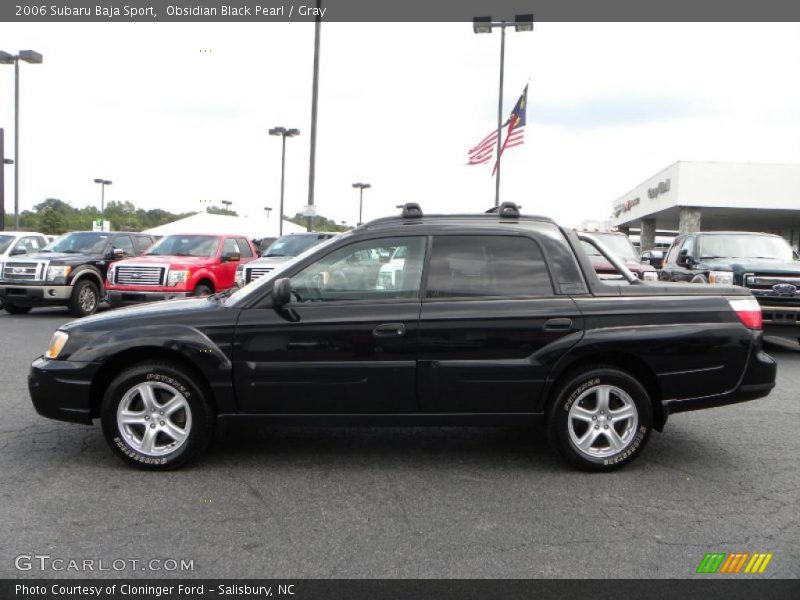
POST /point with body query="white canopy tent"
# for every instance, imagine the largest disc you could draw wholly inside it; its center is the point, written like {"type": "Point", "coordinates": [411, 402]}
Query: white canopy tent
{"type": "Point", "coordinates": [207, 223]}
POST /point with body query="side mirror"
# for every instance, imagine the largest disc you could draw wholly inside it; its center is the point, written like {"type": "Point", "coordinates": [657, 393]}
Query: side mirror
{"type": "Point", "coordinates": [117, 253]}
{"type": "Point", "coordinates": [231, 257]}
{"type": "Point", "coordinates": [281, 292]}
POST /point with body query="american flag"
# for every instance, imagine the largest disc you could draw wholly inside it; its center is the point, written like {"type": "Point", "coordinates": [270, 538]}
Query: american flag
{"type": "Point", "coordinates": [484, 151]}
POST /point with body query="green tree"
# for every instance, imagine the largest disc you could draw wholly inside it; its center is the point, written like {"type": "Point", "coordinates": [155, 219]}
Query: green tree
{"type": "Point", "coordinates": [213, 210]}
{"type": "Point", "coordinates": [52, 222]}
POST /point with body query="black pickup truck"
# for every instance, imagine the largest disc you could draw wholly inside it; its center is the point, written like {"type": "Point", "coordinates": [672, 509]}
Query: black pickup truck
{"type": "Point", "coordinates": [761, 262]}
{"type": "Point", "coordinates": [71, 271]}
{"type": "Point", "coordinates": [488, 319]}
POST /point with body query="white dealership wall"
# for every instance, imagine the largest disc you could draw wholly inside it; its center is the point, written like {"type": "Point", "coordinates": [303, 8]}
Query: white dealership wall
{"type": "Point", "coordinates": [735, 196]}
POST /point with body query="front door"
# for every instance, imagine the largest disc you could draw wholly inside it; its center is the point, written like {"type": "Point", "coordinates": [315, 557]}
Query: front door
{"type": "Point", "coordinates": [346, 343]}
{"type": "Point", "coordinates": [491, 326]}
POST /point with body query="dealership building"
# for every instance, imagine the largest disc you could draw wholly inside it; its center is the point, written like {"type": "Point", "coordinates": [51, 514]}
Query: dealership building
{"type": "Point", "coordinates": [713, 196]}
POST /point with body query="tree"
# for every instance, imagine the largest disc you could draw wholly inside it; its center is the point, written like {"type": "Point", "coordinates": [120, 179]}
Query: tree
{"type": "Point", "coordinates": [320, 223]}
{"type": "Point", "coordinates": [213, 210]}
{"type": "Point", "coordinates": [52, 222]}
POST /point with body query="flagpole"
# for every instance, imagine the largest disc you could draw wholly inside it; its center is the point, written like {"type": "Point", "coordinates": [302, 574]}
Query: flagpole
{"type": "Point", "coordinates": [500, 113]}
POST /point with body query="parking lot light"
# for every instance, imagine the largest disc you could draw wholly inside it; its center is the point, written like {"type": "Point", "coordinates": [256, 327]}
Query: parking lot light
{"type": "Point", "coordinates": [361, 187]}
{"type": "Point", "coordinates": [284, 133]}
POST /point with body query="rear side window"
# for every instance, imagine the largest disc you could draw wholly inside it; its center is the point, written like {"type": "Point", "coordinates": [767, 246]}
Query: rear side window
{"type": "Point", "coordinates": [142, 243]}
{"type": "Point", "coordinates": [466, 266]}
{"type": "Point", "coordinates": [244, 248]}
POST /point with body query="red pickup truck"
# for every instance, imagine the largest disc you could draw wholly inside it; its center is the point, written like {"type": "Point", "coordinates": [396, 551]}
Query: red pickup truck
{"type": "Point", "coordinates": [178, 266]}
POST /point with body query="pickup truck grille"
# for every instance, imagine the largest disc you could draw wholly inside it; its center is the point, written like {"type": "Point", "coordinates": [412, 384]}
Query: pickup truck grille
{"type": "Point", "coordinates": [255, 272]}
{"type": "Point", "coordinates": [24, 271]}
{"type": "Point", "coordinates": [774, 290]}
{"type": "Point", "coordinates": [136, 275]}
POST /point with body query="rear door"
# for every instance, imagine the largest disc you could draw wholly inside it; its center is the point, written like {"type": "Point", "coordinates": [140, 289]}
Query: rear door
{"type": "Point", "coordinates": [491, 325]}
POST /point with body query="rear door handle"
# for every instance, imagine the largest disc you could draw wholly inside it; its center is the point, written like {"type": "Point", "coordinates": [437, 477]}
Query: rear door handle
{"type": "Point", "coordinates": [557, 325]}
{"type": "Point", "coordinates": [389, 330]}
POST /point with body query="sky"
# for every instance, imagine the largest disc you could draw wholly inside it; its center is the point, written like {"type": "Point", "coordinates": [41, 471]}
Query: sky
{"type": "Point", "coordinates": [177, 114]}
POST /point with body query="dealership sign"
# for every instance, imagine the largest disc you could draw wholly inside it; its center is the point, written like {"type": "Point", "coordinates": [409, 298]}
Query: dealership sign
{"type": "Point", "coordinates": [661, 188]}
{"type": "Point", "coordinates": [625, 206]}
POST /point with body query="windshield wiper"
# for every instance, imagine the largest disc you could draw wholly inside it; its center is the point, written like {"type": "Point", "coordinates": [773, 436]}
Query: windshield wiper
{"type": "Point", "coordinates": [273, 254]}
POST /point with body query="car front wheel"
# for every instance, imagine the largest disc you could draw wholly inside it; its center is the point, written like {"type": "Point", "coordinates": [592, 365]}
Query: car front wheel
{"type": "Point", "coordinates": [156, 416]}
{"type": "Point", "coordinates": [84, 299]}
{"type": "Point", "coordinates": [601, 419]}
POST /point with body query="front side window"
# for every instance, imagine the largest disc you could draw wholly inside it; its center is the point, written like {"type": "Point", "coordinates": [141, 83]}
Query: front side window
{"type": "Point", "coordinates": [125, 244]}
{"type": "Point", "coordinates": [364, 271]}
{"type": "Point", "coordinates": [186, 245]}
{"type": "Point", "coordinates": [27, 245]}
{"type": "Point", "coordinates": [244, 248]}
{"type": "Point", "coordinates": [230, 247]}
{"type": "Point", "coordinates": [487, 266]}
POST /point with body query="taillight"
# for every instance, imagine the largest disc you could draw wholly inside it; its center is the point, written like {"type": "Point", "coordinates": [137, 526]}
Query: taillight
{"type": "Point", "coordinates": [748, 310]}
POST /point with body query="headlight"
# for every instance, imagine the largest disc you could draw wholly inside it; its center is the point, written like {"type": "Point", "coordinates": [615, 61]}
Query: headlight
{"type": "Point", "coordinates": [650, 276]}
{"type": "Point", "coordinates": [176, 277]}
{"type": "Point", "coordinates": [57, 271]}
{"type": "Point", "coordinates": [57, 343]}
{"type": "Point", "coordinates": [720, 277]}
{"type": "Point", "coordinates": [239, 278]}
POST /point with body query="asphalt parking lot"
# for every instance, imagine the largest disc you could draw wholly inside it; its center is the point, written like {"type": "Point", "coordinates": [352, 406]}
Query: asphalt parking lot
{"type": "Point", "coordinates": [438, 502]}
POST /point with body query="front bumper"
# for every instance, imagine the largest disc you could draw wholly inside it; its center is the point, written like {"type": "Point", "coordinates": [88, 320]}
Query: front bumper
{"type": "Point", "coordinates": [34, 294]}
{"type": "Point", "coordinates": [758, 381]}
{"type": "Point", "coordinates": [61, 389]}
{"type": "Point", "coordinates": [125, 297]}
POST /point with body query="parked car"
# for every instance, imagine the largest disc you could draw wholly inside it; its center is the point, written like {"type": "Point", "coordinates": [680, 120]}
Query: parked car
{"type": "Point", "coordinates": [622, 247]}
{"type": "Point", "coordinates": [178, 266]}
{"type": "Point", "coordinates": [69, 271]}
{"type": "Point", "coordinates": [16, 243]}
{"type": "Point", "coordinates": [654, 258]}
{"type": "Point", "coordinates": [761, 262]}
{"type": "Point", "coordinates": [498, 318]}
{"type": "Point", "coordinates": [278, 252]}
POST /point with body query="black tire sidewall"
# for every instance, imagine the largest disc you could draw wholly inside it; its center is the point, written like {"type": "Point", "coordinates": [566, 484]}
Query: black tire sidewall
{"type": "Point", "coordinates": [202, 416]}
{"type": "Point", "coordinates": [558, 418]}
{"type": "Point", "coordinates": [15, 309]}
{"type": "Point", "coordinates": [202, 290]}
{"type": "Point", "coordinates": [75, 307]}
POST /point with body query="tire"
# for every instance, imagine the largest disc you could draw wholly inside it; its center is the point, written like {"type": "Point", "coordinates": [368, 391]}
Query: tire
{"type": "Point", "coordinates": [569, 427]}
{"type": "Point", "coordinates": [16, 309]}
{"type": "Point", "coordinates": [85, 299]}
{"type": "Point", "coordinates": [174, 438]}
{"type": "Point", "coordinates": [699, 279]}
{"type": "Point", "coordinates": [202, 290]}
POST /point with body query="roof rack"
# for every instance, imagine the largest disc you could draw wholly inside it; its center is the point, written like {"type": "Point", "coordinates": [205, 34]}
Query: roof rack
{"type": "Point", "coordinates": [411, 210]}
{"type": "Point", "coordinates": [505, 210]}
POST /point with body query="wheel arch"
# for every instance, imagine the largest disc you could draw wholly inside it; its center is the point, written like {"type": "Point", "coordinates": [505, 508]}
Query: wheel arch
{"type": "Point", "coordinates": [133, 356]}
{"type": "Point", "coordinates": [88, 273]}
{"type": "Point", "coordinates": [624, 361]}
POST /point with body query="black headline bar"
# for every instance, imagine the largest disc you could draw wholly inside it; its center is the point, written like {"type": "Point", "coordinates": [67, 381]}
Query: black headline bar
{"type": "Point", "coordinates": [734, 588]}
{"type": "Point", "coordinates": [149, 11]}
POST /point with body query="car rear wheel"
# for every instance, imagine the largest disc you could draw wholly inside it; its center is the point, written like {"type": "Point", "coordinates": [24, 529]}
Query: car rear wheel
{"type": "Point", "coordinates": [84, 299]}
{"type": "Point", "coordinates": [16, 309]}
{"type": "Point", "coordinates": [156, 416]}
{"type": "Point", "coordinates": [601, 419]}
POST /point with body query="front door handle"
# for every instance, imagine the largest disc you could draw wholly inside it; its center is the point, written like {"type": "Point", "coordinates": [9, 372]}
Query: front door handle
{"type": "Point", "coordinates": [557, 325]}
{"type": "Point", "coordinates": [389, 330]}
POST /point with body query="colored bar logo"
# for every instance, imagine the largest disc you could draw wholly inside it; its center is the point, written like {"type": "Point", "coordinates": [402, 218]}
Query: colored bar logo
{"type": "Point", "coordinates": [734, 563]}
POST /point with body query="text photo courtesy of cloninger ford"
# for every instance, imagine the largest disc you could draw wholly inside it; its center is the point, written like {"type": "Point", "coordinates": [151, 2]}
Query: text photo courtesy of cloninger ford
{"type": "Point", "coordinates": [353, 299]}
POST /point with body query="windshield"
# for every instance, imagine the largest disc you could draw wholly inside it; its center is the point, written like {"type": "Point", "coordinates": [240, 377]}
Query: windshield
{"type": "Point", "coordinates": [255, 285]}
{"type": "Point", "coordinates": [744, 246]}
{"type": "Point", "coordinates": [292, 245]}
{"type": "Point", "coordinates": [85, 242]}
{"type": "Point", "coordinates": [619, 245]}
{"type": "Point", "coordinates": [5, 242]}
{"type": "Point", "coordinates": [186, 245]}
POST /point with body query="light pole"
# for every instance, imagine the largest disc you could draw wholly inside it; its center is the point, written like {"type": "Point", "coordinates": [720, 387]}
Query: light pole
{"type": "Point", "coordinates": [268, 209]}
{"type": "Point", "coordinates": [32, 57]}
{"type": "Point", "coordinates": [103, 183]}
{"type": "Point", "coordinates": [361, 187]}
{"type": "Point", "coordinates": [284, 133]}
{"type": "Point", "coordinates": [312, 159]}
{"type": "Point", "coordinates": [485, 25]}
{"type": "Point", "coordinates": [226, 204]}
